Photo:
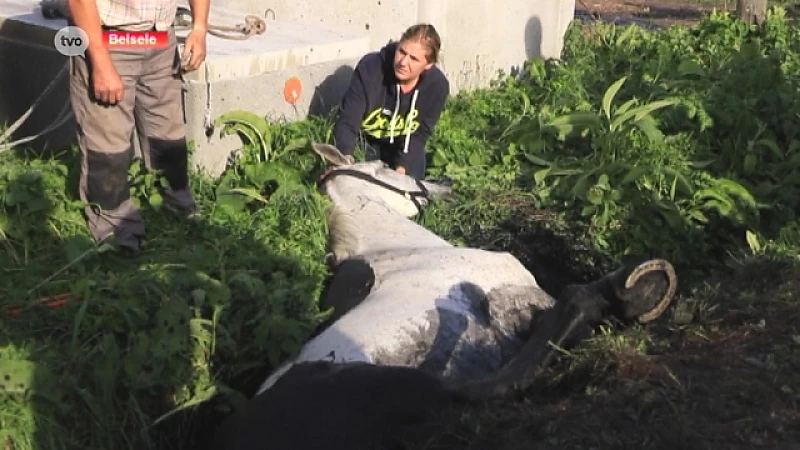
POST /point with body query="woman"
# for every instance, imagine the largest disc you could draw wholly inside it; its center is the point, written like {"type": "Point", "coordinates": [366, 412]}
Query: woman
{"type": "Point", "coordinates": [394, 101]}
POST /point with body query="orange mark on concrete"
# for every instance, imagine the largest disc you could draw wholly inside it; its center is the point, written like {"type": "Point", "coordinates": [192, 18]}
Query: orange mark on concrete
{"type": "Point", "coordinates": [292, 90]}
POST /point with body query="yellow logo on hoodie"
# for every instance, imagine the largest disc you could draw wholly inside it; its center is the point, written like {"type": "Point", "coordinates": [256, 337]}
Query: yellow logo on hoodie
{"type": "Point", "coordinates": [378, 123]}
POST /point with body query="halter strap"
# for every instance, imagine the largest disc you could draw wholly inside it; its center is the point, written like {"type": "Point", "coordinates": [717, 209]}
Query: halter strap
{"type": "Point", "coordinates": [411, 195]}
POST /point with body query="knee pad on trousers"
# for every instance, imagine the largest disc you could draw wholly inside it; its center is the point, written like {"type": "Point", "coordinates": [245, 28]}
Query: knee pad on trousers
{"type": "Point", "coordinates": [171, 158]}
{"type": "Point", "coordinates": [107, 178]}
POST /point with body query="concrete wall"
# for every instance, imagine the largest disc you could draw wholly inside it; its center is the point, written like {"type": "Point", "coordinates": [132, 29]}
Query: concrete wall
{"type": "Point", "coordinates": [480, 37]}
{"type": "Point", "coordinates": [263, 94]}
{"type": "Point", "coordinates": [251, 76]}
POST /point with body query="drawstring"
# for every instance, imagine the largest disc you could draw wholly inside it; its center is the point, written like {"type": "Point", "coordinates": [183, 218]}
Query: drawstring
{"type": "Point", "coordinates": [408, 117]}
{"type": "Point", "coordinates": [408, 120]}
{"type": "Point", "coordinates": [394, 116]}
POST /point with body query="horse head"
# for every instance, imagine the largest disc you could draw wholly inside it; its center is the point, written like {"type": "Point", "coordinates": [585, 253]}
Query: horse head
{"type": "Point", "coordinates": [376, 180]}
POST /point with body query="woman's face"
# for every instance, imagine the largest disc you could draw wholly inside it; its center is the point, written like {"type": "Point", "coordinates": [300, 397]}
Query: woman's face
{"type": "Point", "coordinates": [410, 61]}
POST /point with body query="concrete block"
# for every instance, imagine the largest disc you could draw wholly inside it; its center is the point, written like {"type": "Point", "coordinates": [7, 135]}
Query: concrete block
{"type": "Point", "coordinates": [251, 75]}
{"type": "Point", "coordinates": [480, 37]}
{"type": "Point", "coordinates": [28, 64]}
{"type": "Point", "coordinates": [324, 84]}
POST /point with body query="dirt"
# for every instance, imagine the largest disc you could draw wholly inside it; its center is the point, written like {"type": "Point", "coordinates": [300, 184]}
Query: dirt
{"type": "Point", "coordinates": [649, 13]}
{"type": "Point", "coordinates": [719, 370]}
{"type": "Point", "coordinates": [727, 378]}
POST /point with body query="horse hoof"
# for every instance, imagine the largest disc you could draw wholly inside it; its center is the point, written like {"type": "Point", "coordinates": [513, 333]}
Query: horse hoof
{"type": "Point", "coordinates": [648, 290]}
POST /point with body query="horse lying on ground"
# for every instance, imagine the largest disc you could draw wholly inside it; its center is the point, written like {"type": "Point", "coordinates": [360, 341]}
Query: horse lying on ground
{"type": "Point", "coordinates": [420, 324]}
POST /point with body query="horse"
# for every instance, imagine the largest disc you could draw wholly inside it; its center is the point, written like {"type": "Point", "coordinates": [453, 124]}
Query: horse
{"type": "Point", "coordinates": [420, 325]}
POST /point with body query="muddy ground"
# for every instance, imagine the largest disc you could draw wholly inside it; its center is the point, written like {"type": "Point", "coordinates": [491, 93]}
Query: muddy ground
{"type": "Point", "coordinates": [719, 370]}
{"type": "Point", "coordinates": [650, 13]}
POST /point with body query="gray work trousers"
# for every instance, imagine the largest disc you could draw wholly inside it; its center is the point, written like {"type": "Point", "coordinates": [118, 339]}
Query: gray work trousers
{"type": "Point", "coordinates": [152, 104]}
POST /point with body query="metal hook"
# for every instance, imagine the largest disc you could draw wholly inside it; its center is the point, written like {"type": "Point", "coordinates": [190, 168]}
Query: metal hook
{"type": "Point", "coordinates": [267, 11]}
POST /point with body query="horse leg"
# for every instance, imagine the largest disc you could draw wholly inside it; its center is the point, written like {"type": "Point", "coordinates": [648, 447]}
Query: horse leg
{"type": "Point", "coordinates": [642, 291]}
{"type": "Point", "coordinates": [350, 284]}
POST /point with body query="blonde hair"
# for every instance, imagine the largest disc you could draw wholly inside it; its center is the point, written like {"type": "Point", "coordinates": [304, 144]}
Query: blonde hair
{"type": "Point", "coordinates": [427, 36]}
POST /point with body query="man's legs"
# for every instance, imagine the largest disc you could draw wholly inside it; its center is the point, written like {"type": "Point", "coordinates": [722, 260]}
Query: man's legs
{"type": "Point", "coordinates": [104, 137]}
{"type": "Point", "coordinates": [160, 125]}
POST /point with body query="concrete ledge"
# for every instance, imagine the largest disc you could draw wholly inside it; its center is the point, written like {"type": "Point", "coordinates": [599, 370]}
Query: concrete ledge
{"type": "Point", "coordinates": [283, 45]}
{"type": "Point", "coordinates": [251, 75]}
{"type": "Point", "coordinates": [23, 19]}
{"type": "Point", "coordinates": [29, 62]}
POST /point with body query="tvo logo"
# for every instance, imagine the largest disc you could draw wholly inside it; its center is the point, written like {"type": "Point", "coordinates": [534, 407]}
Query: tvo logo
{"type": "Point", "coordinates": [71, 41]}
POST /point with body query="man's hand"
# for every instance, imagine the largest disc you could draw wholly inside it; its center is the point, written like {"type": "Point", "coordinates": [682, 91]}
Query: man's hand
{"type": "Point", "coordinates": [107, 84]}
{"type": "Point", "coordinates": [194, 49]}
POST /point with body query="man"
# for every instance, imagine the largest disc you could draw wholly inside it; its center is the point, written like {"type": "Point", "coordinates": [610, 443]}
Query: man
{"type": "Point", "coordinates": [394, 101]}
{"type": "Point", "coordinates": [114, 90]}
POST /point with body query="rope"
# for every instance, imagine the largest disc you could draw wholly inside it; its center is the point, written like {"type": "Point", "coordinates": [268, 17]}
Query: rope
{"type": "Point", "coordinates": [253, 26]}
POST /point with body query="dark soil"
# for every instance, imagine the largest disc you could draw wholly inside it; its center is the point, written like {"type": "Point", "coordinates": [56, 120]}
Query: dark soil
{"type": "Point", "coordinates": [719, 370]}
{"type": "Point", "coordinates": [650, 13]}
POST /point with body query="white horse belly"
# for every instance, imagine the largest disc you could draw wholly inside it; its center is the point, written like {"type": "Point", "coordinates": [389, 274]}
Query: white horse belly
{"type": "Point", "coordinates": [422, 297]}
{"type": "Point", "coordinates": [446, 266]}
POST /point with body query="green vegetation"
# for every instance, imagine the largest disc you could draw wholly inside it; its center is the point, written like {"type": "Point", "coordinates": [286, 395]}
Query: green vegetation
{"type": "Point", "coordinates": [682, 143]}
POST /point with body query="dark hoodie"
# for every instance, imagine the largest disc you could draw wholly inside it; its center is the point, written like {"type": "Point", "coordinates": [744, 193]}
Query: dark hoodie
{"type": "Point", "coordinates": [371, 103]}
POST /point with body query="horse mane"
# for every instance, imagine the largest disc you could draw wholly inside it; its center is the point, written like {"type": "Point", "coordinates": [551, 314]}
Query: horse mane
{"type": "Point", "coordinates": [343, 239]}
